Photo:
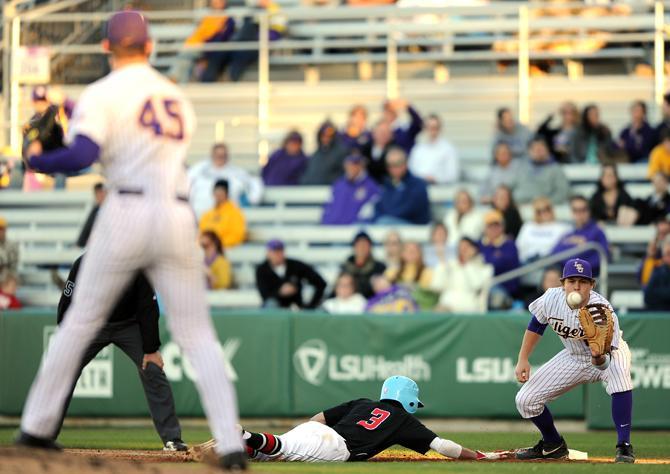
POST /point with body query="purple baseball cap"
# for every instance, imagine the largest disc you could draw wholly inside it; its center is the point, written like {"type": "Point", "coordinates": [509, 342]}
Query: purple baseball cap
{"type": "Point", "coordinates": [355, 158]}
{"type": "Point", "coordinates": [127, 28]}
{"type": "Point", "coordinates": [275, 244]}
{"type": "Point", "coordinates": [577, 267]}
{"type": "Point", "coordinates": [39, 93]}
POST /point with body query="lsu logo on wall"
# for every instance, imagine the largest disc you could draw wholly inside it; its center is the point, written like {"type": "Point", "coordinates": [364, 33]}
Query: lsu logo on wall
{"type": "Point", "coordinates": [314, 365]}
{"type": "Point", "coordinates": [485, 370]}
{"type": "Point", "coordinates": [97, 378]}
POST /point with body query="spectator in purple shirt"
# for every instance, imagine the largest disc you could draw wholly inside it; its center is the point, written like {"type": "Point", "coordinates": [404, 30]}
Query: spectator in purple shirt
{"type": "Point", "coordinates": [355, 134]}
{"type": "Point", "coordinates": [404, 134]}
{"type": "Point", "coordinates": [354, 195]}
{"type": "Point", "coordinates": [638, 138]}
{"type": "Point", "coordinates": [501, 252]}
{"type": "Point", "coordinates": [586, 230]}
{"type": "Point", "coordinates": [287, 164]}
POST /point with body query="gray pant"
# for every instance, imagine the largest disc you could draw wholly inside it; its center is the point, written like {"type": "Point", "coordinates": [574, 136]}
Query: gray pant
{"type": "Point", "coordinates": [126, 336]}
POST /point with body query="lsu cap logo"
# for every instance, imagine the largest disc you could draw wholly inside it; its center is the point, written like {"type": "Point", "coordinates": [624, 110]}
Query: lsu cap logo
{"type": "Point", "coordinates": [577, 267]}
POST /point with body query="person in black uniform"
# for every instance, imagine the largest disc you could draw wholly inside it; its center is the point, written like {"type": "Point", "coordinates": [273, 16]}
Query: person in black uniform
{"type": "Point", "coordinates": [280, 280]}
{"type": "Point", "coordinates": [133, 327]}
{"type": "Point", "coordinates": [358, 430]}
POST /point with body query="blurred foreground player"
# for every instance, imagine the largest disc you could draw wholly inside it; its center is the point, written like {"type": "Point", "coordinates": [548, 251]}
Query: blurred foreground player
{"type": "Point", "coordinates": [133, 328]}
{"type": "Point", "coordinates": [146, 224]}
{"type": "Point", "coordinates": [358, 430]}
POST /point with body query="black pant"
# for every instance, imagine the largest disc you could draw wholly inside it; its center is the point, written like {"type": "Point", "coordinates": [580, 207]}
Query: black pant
{"type": "Point", "coordinates": [126, 336]}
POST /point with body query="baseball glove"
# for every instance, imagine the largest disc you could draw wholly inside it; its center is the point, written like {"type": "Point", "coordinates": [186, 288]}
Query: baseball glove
{"type": "Point", "coordinates": [598, 325]}
{"type": "Point", "coordinates": [45, 128]}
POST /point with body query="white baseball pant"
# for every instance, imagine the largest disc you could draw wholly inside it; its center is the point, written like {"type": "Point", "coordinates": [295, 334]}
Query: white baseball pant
{"type": "Point", "coordinates": [310, 442]}
{"type": "Point", "coordinates": [565, 371]}
{"type": "Point", "coordinates": [137, 232]}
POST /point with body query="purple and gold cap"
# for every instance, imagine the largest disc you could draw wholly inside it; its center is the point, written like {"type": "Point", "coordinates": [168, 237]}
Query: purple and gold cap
{"type": "Point", "coordinates": [275, 244]}
{"type": "Point", "coordinates": [39, 93]}
{"type": "Point", "coordinates": [127, 28]}
{"type": "Point", "coordinates": [577, 267]}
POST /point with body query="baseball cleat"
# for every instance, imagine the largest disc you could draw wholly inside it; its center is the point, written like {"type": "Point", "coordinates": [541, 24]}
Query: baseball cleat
{"type": "Point", "coordinates": [624, 453]}
{"type": "Point", "coordinates": [234, 462]}
{"type": "Point", "coordinates": [544, 450]}
{"type": "Point", "coordinates": [175, 445]}
{"type": "Point", "coordinates": [29, 441]}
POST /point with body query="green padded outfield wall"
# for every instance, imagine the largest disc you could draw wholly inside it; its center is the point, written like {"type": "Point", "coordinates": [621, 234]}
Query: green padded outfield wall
{"type": "Point", "coordinates": [255, 348]}
{"type": "Point", "coordinates": [293, 364]}
{"type": "Point", "coordinates": [649, 339]}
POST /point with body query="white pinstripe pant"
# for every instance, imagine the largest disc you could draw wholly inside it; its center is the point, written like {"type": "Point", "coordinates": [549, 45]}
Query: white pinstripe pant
{"type": "Point", "coordinates": [565, 371]}
{"type": "Point", "coordinates": [136, 232]}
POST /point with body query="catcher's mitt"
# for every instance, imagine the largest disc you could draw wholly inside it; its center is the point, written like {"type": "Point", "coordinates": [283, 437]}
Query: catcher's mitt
{"type": "Point", "coordinates": [598, 325]}
{"type": "Point", "coordinates": [45, 128]}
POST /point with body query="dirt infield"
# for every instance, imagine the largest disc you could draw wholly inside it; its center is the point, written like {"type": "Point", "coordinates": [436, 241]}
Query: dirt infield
{"type": "Point", "coordinates": [84, 461]}
{"type": "Point", "coordinates": [434, 457]}
{"type": "Point", "coordinates": [22, 461]}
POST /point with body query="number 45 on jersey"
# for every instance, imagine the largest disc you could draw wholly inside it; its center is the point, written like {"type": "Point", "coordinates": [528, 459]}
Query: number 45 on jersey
{"type": "Point", "coordinates": [163, 117]}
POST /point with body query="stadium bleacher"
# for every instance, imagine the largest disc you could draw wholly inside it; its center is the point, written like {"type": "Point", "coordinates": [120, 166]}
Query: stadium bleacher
{"type": "Point", "coordinates": [46, 224]}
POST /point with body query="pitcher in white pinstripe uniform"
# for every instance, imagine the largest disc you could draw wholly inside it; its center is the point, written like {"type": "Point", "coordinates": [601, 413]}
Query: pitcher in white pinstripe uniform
{"type": "Point", "coordinates": [573, 366]}
{"type": "Point", "coordinates": [139, 126]}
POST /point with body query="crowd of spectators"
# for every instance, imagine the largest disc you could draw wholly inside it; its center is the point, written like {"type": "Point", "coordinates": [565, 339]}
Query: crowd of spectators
{"type": "Point", "coordinates": [382, 175]}
{"type": "Point", "coordinates": [526, 170]}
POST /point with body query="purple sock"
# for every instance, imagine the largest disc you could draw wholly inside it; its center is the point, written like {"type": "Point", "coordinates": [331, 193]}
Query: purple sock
{"type": "Point", "coordinates": [545, 423]}
{"type": "Point", "coordinates": [622, 413]}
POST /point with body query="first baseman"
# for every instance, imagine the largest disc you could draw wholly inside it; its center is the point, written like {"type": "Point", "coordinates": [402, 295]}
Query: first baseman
{"type": "Point", "coordinates": [358, 430]}
{"type": "Point", "coordinates": [139, 126]}
{"type": "Point", "coordinates": [573, 366]}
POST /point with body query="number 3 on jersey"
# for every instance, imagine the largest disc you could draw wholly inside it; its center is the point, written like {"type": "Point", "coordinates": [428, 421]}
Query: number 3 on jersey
{"type": "Point", "coordinates": [164, 117]}
{"type": "Point", "coordinates": [377, 418]}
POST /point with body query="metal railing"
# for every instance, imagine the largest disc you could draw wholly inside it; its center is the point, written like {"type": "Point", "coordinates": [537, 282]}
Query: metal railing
{"type": "Point", "coordinates": [522, 26]}
{"type": "Point", "coordinates": [543, 263]}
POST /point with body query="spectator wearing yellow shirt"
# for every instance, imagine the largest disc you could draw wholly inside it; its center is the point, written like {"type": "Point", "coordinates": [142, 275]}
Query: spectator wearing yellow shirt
{"type": "Point", "coordinates": [659, 159]}
{"type": "Point", "coordinates": [211, 29]}
{"type": "Point", "coordinates": [412, 272]}
{"type": "Point", "coordinates": [217, 267]}
{"type": "Point", "coordinates": [225, 219]}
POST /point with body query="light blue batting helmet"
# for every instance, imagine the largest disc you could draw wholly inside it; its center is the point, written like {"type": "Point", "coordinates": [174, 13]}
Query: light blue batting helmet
{"type": "Point", "coordinates": [402, 389]}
